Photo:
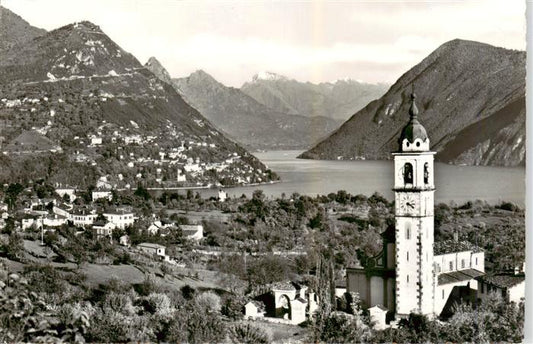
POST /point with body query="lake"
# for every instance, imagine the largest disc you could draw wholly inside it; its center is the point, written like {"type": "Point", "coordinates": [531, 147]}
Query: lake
{"type": "Point", "coordinates": [453, 183]}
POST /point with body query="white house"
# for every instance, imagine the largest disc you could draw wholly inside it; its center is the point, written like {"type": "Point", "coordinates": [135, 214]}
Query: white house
{"type": "Point", "coordinates": [158, 225]}
{"type": "Point", "coordinates": [254, 309]}
{"type": "Point", "coordinates": [181, 176]}
{"type": "Point", "coordinates": [193, 232]}
{"type": "Point", "coordinates": [125, 240]}
{"type": "Point", "coordinates": [96, 140]}
{"type": "Point", "coordinates": [71, 192]}
{"type": "Point", "coordinates": [121, 219]}
{"type": "Point", "coordinates": [54, 221]}
{"type": "Point", "coordinates": [99, 194]}
{"type": "Point", "coordinates": [29, 222]}
{"type": "Point", "coordinates": [104, 229]}
{"type": "Point", "coordinates": [150, 248]}
{"type": "Point", "coordinates": [82, 217]}
{"type": "Point", "coordinates": [511, 287]}
{"type": "Point", "coordinates": [222, 195]}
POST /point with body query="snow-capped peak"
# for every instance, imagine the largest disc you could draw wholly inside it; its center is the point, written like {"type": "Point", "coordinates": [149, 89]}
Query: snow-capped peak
{"type": "Point", "coordinates": [268, 76]}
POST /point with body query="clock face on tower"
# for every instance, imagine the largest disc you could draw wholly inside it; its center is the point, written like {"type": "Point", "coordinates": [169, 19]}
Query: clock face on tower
{"type": "Point", "coordinates": [408, 203]}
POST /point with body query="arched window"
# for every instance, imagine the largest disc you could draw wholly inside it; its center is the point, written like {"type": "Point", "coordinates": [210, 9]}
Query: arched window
{"type": "Point", "coordinates": [426, 173]}
{"type": "Point", "coordinates": [407, 231]}
{"type": "Point", "coordinates": [408, 173]}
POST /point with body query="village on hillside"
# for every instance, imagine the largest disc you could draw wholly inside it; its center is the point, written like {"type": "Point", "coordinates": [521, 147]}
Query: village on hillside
{"type": "Point", "coordinates": [290, 172]}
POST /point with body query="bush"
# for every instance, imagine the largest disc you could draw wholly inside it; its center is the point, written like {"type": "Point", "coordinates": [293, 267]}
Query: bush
{"type": "Point", "coordinates": [248, 333]}
{"type": "Point", "coordinates": [508, 206]}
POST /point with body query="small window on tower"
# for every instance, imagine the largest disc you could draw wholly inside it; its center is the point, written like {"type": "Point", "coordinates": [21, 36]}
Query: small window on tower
{"type": "Point", "coordinates": [408, 231]}
{"type": "Point", "coordinates": [407, 278]}
{"type": "Point", "coordinates": [426, 173]}
{"type": "Point", "coordinates": [407, 256]}
{"type": "Point", "coordinates": [408, 173]}
{"type": "Point", "coordinates": [462, 263]}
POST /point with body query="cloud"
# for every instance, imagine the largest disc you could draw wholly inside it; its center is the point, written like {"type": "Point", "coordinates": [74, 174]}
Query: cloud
{"type": "Point", "coordinates": [306, 40]}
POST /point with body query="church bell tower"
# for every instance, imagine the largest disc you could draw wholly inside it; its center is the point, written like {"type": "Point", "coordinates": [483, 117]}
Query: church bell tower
{"type": "Point", "coordinates": [414, 189]}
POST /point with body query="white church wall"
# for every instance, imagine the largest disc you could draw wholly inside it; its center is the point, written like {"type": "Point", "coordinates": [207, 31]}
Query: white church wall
{"type": "Point", "coordinates": [406, 265]}
{"type": "Point", "coordinates": [376, 291]}
{"type": "Point", "coordinates": [478, 261]}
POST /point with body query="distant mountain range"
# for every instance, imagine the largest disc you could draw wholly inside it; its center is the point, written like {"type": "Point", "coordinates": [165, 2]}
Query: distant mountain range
{"type": "Point", "coordinates": [244, 119]}
{"type": "Point", "coordinates": [74, 83]}
{"type": "Point", "coordinates": [337, 100]}
{"type": "Point", "coordinates": [471, 98]}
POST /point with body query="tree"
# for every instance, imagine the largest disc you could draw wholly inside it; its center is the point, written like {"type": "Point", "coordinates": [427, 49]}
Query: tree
{"type": "Point", "coordinates": [341, 327]}
{"type": "Point", "coordinates": [248, 333]}
{"type": "Point", "coordinates": [193, 324]}
{"type": "Point", "coordinates": [15, 247]}
{"type": "Point", "coordinates": [267, 269]}
{"type": "Point", "coordinates": [142, 192]}
{"type": "Point", "coordinates": [12, 193]}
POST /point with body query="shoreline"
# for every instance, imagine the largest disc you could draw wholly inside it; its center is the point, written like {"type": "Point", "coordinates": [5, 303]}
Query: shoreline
{"type": "Point", "coordinates": [210, 187]}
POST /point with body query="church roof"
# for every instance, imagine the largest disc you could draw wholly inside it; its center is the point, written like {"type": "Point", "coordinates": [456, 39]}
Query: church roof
{"type": "Point", "coordinates": [413, 130]}
{"type": "Point", "coordinates": [452, 246]}
{"type": "Point", "coordinates": [458, 276]}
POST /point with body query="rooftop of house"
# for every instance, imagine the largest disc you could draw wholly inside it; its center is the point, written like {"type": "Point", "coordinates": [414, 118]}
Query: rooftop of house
{"type": "Point", "coordinates": [504, 280]}
{"type": "Point", "coordinates": [458, 276]}
{"type": "Point", "coordinates": [286, 285]}
{"type": "Point", "coordinates": [452, 246]}
{"type": "Point", "coordinates": [118, 211]}
{"type": "Point", "coordinates": [190, 227]}
{"type": "Point", "coordinates": [151, 245]}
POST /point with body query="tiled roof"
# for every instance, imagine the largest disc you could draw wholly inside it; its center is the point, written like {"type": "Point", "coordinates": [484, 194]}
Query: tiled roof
{"type": "Point", "coordinates": [451, 246]}
{"type": "Point", "coordinates": [503, 280]}
{"type": "Point", "coordinates": [299, 299]}
{"type": "Point", "coordinates": [459, 276]}
{"type": "Point", "coordinates": [286, 285]}
{"type": "Point", "coordinates": [150, 245]}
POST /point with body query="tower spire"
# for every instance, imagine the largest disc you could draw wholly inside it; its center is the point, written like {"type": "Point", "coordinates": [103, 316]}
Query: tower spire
{"type": "Point", "coordinates": [413, 110]}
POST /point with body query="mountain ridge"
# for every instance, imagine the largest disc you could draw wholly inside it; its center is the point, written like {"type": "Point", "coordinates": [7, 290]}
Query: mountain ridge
{"type": "Point", "coordinates": [75, 86]}
{"type": "Point", "coordinates": [15, 31]}
{"type": "Point", "coordinates": [335, 100]}
{"type": "Point", "coordinates": [247, 121]}
{"type": "Point", "coordinates": [458, 85]}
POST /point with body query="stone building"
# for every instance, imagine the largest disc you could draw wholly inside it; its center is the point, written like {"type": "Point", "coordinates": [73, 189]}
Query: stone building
{"type": "Point", "coordinates": [412, 274]}
{"type": "Point", "coordinates": [283, 302]}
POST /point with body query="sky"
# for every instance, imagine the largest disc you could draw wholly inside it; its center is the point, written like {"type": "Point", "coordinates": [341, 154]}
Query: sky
{"type": "Point", "coordinates": [317, 41]}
